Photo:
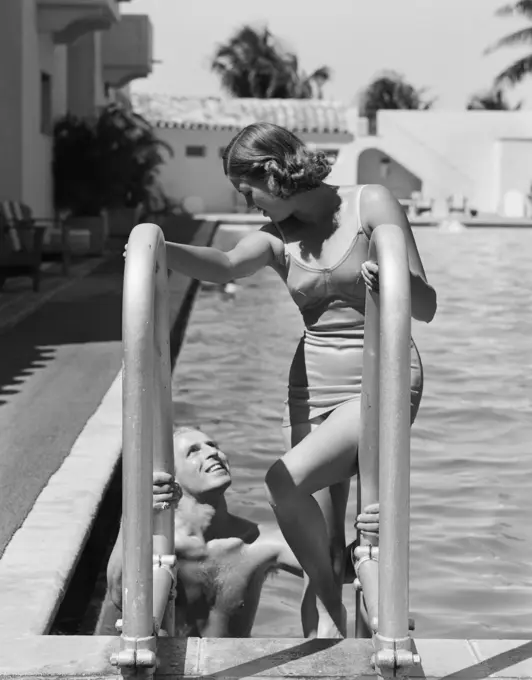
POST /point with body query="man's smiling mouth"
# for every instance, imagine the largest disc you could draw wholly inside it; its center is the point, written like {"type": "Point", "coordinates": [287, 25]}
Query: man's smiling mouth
{"type": "Point", "coordinates": [215, 467]}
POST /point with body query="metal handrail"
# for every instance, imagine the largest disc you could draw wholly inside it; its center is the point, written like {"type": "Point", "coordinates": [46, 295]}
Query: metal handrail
{"type": "Point", "coordinates": [148, 537]}
{"type": "Point", "coordinates": [384, 453]}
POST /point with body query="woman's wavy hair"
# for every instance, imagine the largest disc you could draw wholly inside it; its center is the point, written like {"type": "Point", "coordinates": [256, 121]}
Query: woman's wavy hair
{"type": "Point", "coordinates": [264, 151]}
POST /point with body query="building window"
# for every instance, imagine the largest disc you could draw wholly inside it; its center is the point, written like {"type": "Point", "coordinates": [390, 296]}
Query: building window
{"type": "Point", "coordinates": [46, 104]}
{"type": "Point", "coordinates": [195, 151]}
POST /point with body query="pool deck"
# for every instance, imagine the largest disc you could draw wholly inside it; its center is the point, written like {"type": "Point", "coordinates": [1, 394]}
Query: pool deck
{"type": "Point", "coordinates": [480, 221]}
{"type": "Point", "coordinates": [61, 441]}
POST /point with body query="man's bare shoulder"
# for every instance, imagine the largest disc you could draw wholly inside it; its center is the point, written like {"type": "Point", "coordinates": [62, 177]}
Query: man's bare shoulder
{"type": "Point", "coordinates": [242, 528]}
{"type": "Point", "coordinates": [254, 544]}
{"type": "Point", "coordinates": [269, 538]}
{"type": "Point", "coordinates": [270, 533]}
{"type": "Point", "coordinates": [188, 547]}
{"type": "Point", "coordinates": [271, 541]}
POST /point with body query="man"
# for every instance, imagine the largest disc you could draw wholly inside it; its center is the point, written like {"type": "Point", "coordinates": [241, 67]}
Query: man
{"type": "Point", "coordinates": [223, 560]}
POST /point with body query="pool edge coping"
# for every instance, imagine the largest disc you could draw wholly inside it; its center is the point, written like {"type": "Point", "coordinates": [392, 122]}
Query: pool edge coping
{"type": "Point", "coordinates": [88, 657]}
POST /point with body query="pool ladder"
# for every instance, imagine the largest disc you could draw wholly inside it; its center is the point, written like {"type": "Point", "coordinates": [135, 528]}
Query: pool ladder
{"type": "Point", "coordinates": [382, 568]}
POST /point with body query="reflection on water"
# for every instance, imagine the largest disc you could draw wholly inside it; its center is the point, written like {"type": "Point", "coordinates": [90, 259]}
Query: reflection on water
{"type": "Point", "coordinates": [471, 556]}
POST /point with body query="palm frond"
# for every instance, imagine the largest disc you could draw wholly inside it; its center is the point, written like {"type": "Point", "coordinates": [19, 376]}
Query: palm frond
{"type": "Point", "coordinates": [323, 74]}
{"type": "Point", "coordinates": [493, 99]}
{"type": "Point", "coordinates": [253, 63]}
{"type": "Point", "coordinates": [522, 37]}
{"type": "Point", "coordinates": [516, 72]}
{"type": "Point", "coordinates": [522, 8]}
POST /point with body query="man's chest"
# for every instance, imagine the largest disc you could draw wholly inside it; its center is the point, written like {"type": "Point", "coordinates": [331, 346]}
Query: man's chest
{"type": "Point", "coordinates": [223, 574]}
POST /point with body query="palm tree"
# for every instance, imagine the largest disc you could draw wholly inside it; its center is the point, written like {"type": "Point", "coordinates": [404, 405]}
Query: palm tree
{"type": "Point", "coordinates": [491, 100]}
{"type": "Point", "coordinates": [254, 64]}
{"type": "Point", "coordinates": [522, 67]}
{"type": "Point", "coordinates": [391, 91]}
{"type": "Point", "coordinates": [319, 78]}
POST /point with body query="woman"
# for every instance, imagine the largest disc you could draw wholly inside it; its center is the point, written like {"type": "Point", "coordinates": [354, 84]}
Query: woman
{"type": "Point", "coordinates": [317, 241]}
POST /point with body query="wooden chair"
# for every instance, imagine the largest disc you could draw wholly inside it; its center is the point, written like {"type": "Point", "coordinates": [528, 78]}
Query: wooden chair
{"type": "Point", "coordinates": [19, 213]}
{"type": "Point", "coordinates": [20, 249]}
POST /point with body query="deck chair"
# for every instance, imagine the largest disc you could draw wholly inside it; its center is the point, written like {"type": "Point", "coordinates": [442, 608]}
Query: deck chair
{"type": "Point", "coordinates": [56, 237]}
{"type": "Point", "coordinates": [20, 247]}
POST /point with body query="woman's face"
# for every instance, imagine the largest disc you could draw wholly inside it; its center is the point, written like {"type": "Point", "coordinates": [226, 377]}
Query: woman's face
{"type": "Point", "coordinates": [258, 196]}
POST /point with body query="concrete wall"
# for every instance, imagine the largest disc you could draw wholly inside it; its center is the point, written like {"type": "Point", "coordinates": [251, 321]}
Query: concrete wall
{"type": "Point", "coordinates": [11, 123]}
{"type": "Point", "coordinates": [26, 151]}
{"type": "Point", "coordinates": [37, 141]}
{"type": "Point", "coordinates": [60, 93]}
{"type": "Point", "coordinates": [183, 176]}
{"type": "Point", "coordinates": [84, 73]}
{"type": "Point", "coordinates": [398, 179]}
{"type": "Point", "coordinates": [203, 176]}
{"type": "Point", "coordinates": [127, 50]}
{"type": "Point", "coordinates": [452, 152]}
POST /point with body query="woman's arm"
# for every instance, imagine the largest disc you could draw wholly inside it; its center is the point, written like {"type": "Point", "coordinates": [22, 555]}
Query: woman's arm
{"type": "Point", "coordinates": [379, 206]}
{"type": "Point", "coordinates": [250, 254]}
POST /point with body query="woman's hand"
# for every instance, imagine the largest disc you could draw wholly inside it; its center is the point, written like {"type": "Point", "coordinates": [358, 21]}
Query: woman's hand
{"type": "Point", "coordinates": [125, 252]}
{"type": "Point", "coordinates": [166, 491]}
{"type": "Point", "coordinates": [370, 274]}
{"type": "Point", "coordinates": [368, 520]}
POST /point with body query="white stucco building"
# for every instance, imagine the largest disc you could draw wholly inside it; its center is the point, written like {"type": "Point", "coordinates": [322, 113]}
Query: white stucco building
{"type": "Point", "coordinates": [483, 156]}
{"type": "Point", "coordinates": [198, 129]}
{"type": "Point", "coordinates": [58, 56]}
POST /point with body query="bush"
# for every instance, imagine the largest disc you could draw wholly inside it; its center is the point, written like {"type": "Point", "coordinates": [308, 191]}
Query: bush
{"type": "Point", "coordinates": [110, 161]}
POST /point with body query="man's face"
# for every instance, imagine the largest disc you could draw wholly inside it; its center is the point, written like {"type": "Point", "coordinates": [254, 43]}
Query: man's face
{"type": "Point", "coordinates": [200, 465]}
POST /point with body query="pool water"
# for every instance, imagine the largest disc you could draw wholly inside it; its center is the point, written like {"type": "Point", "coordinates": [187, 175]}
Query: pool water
{"type": "Point", "coordinates": [471, 535]}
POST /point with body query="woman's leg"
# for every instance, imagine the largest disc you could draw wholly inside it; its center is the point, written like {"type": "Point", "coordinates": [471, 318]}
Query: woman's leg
{"type": "Point", "coordinates": [292, 435]}
{"type": "Point", "coordinates": [333, 504]}
{"type": "Point", "coordinates": [323, 458]}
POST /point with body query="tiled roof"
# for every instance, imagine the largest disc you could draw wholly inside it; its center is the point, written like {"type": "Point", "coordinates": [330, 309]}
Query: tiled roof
{"type": "Point", "coordinates": [298, 115]}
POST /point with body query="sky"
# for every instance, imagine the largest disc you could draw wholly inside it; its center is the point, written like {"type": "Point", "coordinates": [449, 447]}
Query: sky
{"type": "Point", "coordinates": [437, 44]}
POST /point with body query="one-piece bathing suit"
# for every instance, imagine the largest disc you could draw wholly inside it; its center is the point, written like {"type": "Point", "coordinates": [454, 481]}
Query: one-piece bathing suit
{"type": "Point", "coordinates": [327, 367]}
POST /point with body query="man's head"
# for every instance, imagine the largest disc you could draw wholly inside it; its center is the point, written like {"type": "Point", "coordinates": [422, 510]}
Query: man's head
{"type": "Point", "coordinates": [201, 468]}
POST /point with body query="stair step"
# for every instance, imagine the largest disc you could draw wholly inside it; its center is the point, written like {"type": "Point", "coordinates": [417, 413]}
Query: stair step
{"type": "Point", "coordinates": [83, 657]}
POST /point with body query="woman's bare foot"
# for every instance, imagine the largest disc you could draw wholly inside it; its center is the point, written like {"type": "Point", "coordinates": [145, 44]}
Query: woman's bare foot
{"type": "Point", "coordinates": [327, 628]}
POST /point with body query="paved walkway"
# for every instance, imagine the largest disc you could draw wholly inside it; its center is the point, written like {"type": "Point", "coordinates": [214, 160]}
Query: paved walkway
{"type": "Point", "coordinates": [17, 299]}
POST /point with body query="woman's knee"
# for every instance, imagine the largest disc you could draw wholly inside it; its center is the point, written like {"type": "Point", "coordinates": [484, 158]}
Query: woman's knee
{"type": "Point", "coordinates": [114, 588]}
{"type": "Point", "coordinates": [337, 551]}
{"type": "Point", "coordinates": [279, 484]}
{"type": "Point", "coordinates": [114, 575]}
